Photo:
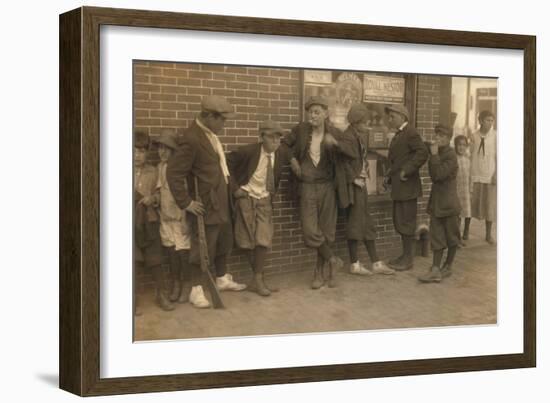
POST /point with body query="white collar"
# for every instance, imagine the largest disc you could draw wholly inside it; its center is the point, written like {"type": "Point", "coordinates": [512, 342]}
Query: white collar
{"type": "Point", "coordinates": [403, 125]}
{"type": "Point", "coordinates": [204, 128]}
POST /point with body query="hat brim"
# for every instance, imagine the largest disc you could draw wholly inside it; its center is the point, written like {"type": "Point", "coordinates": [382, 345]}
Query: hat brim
{"type": "Point", "coordinates": [389, 109]}
{"type": "Point", "coordinates": [229, 115]}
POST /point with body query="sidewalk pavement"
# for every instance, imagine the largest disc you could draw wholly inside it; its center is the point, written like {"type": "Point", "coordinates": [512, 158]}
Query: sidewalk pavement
{"type": "Point", "coordinates": [468, 297]}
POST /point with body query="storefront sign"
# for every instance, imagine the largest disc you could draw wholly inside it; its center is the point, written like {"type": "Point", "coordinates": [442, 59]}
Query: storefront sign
{"type": "Point", "coordinates": [318, 76]}
{"type": "Point", "coordinates": [383, 89]}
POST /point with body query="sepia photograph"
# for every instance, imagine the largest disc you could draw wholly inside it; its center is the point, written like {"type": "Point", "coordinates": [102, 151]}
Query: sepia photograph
{"type": "Point", "coordinates": [274, 200]}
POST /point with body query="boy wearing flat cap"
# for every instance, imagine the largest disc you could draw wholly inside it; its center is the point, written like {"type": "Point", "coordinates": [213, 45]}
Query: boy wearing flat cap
{"type": "Point", "coordinates": [443, 205]}
{"type": "Point", "coordinates": [360, 225]}
{"type": "Point", "coordinates": [147, 243]}
{"type": "Point", "coordinates": [407, 153]}
{"type": "Point", "coordinates": [175, 232]}
{"type": "Point", "coordinates": [256, 172]}
{"type": "Point", "coordinates": [200, 155]}
{"type": "Point", "coordinates": [317, 161]}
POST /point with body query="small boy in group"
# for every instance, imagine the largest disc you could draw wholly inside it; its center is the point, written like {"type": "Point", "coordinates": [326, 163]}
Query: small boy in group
{"type": "Point", "coordinates": [147, 243]}
{"type": "Point", "coordinates": [443, 205]}
{"type": "Point", "coordinates": [256, 172]}
{"type": "Point", "coordinates": [175, 232]}
{"type": "Point", "coordinates": [464, 184]}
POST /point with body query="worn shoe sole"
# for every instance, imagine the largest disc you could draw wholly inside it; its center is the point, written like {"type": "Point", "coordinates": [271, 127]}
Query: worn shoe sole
{"type": "Point", "coordinates": [430, 280]}
{"type": "Point", "coordinates": [401, 267]}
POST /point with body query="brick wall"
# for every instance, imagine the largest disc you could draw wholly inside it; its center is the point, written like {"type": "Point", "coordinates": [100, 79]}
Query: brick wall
{"type": "Point", "coordinates": [169, 95]}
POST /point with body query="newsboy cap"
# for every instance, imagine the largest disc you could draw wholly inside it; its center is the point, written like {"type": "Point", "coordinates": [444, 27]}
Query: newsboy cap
{"type": "Point", "coordinates": [271, 127]}
{"type": "Point", "coordinates": [357, 113]}
{"type": "Point", "coordinates": [485, 114]}
{"type": "Point", "coordinates": [316, 100]}
{"type": "Point", "coordinates": [141, 139]}
{"type": "Point", "coordinates": [218, 104]}
{"type": "Point", "coordinates": [168, 138]}
{"type": "Point", "coordinates": [441, 128]}
{"type": "Point", "coordinates": [401, 109]}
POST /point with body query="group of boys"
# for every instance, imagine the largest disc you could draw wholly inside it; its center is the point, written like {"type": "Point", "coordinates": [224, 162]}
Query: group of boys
{"type": "Point", "coordinates": [237, 191]}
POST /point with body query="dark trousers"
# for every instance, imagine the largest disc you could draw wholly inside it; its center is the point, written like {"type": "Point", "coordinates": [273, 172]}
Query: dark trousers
{"type": "Point", "coordinates": [404, 216]}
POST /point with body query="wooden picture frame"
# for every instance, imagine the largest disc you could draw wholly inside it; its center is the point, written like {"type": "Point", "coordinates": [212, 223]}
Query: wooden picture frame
{"type": "Point", "coordinates": [80, 198]}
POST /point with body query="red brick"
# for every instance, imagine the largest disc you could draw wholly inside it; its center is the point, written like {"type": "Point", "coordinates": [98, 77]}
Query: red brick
{"type": "Point", "coordinates": [223, 92]}
{"type": "Point", "coordinates": [259, 102]}
{"type": "Point", "coordinates": [163, 80]}
{"type": "Point", "coordinates": [163, 97]}
{"type": "Point", "coordinates": [147, 122]}
{"type": "Point", "coordinates": [188, 66]}
{"type": "Point", "coordinates": [228, 139]}
{"type": "Point", "coordinates": [198, 91]}
{"type": "Point", "coordinates": [174, 73]}
{"type": "Point", "coordinates": [246, 94]}
{"type": "Point", "coordinates": [279, 104]}
{"type": "Point", "coordinates": [259, 87]}
{"type": "Point", "coordinates": [289, 97]}
{"type": "Point", "coordinates": [237, 101]}
{"type": "Point", "coordinates": [190, 98]}
{"type": "Point", "coordinates": [235, 69]}
{"type": "Point", "coordinates": [200, 74]}
{"type": "Point", "coordinates": [223, 76]}
{"type": "Point", "coordinates": [173, 89]}
{"type": "Point", "coordinates": [141, 96]}
{"type": "Point", "coordinates": [138, 78]}
{"type": "Point", "coordinates": [194, 107]}
{"type": "Point", "coordinates": [292, 82]}
{"type": "Point", "coordinates": [268, 95]}
{"type": "Point", "coordinates": [212, 67]}
{"type": "Point", "coordinates": [213, 83]}
{"type": "Point", "coordinates": [141, 113]}
{"type": "Point", "coordinates": [237, 85]}
{"type": "Point", "coordinates": [280, 88]}
{"type": "Point", "coordinates": [146, 88]}
{"type": "Point", "coordinates": [165, 65]}
{"type": "Point", "coordinates": [246, 109]}
{"type": "Point", "coordinates": [249, 79]}
{"type": "Point", "coordinates": [268, 80]}
{"type": "Point", "coordinates": [163, 114]}
{"type": "Point", "coordinates": [186, 115]}
{"type": "Point", "coordinates": [258, 71]}
{"type": "Point", "coordinates": [280, 73]}
{"type": "Point", "coordinates": [189, 82]}
{"type": "Point", "coordinates": [174, 122]}
{"type": "Point", "coordinates": [174, 106]}
{"type": "Point", "coordinates": [247, 139]}
{"type": "Point", "coordinates": [146, 105]}
{"type": "Point", "coordinates": [148, 70]}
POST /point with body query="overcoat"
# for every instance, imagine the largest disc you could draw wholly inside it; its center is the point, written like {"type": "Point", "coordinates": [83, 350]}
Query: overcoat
{"type": "Point", "coordinates": [408, 153]}
{"type": "Point", "coordinates": [196, 157]}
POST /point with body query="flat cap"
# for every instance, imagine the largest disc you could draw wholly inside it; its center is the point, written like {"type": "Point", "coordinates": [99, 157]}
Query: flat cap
{"type": "Point", "coordinates": [216, 103]}
{"type": "Point", "coordinates": [316, 100]}
{"type": "Point", "coordinates": [357, 113]}
{"type": "Point", "coordinates": [441, 128]}
{"type": "Point", "coordinates": [270, 126]}
{"type": "Point", "coordinates": [168, 138]}
{"type": "Point", "coordinates": [141, 139]}
{"type": "Point", "coordinates": [485, 114]}
{"type": "Point", "coordinates": [399, 109]}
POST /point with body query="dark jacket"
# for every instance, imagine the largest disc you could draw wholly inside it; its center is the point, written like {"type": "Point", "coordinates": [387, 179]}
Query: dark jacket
{"type": "Point", "coordinates": [408, 153]}
{"type": "Point", "coordinates": [299, 140]}
{"type": "Point", "coordinates": [443, 169]}
{"type": "Point", "coordinates": [242, 164]}
{"type": "Point", "coordinates": [195, 157]}
{"type": "Point", "coordinates": [354, 165]}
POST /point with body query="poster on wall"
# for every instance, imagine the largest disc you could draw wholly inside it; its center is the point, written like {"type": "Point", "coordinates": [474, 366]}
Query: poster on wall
{"type": "Point", "coordinates": [383, 89]}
